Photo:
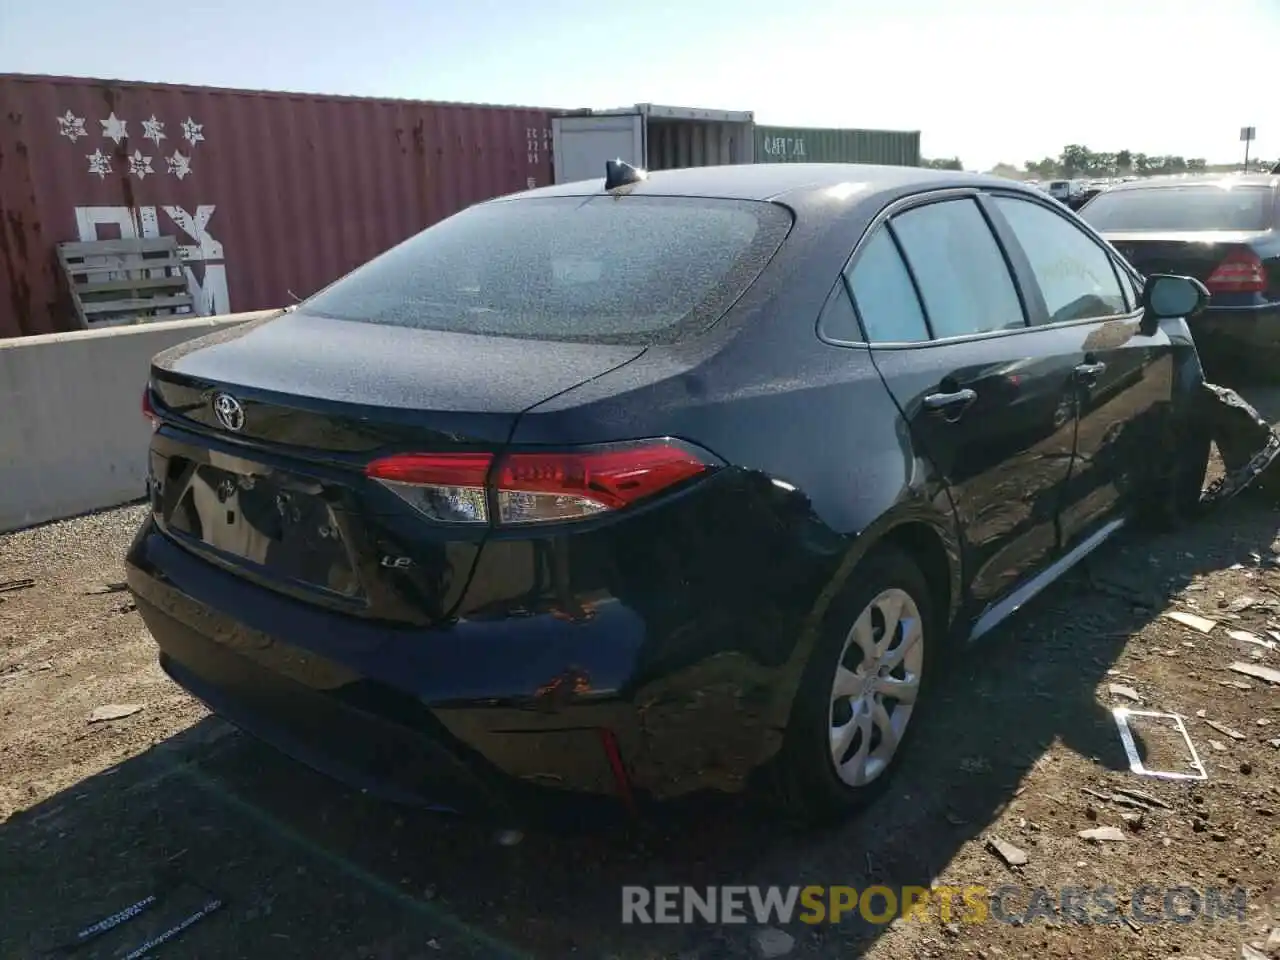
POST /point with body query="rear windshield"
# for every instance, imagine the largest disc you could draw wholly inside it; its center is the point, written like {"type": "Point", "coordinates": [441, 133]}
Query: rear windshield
{"type": "Point", "coordinates": [606, 269]}
{"type": "Point", "coordinates": [1190, 208]}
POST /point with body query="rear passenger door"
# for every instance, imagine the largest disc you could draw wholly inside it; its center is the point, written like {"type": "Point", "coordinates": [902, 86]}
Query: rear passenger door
{"type": "Point", "coordinates": [989, 399]}
{"type": "Point", "coordinates": [1124, 378]}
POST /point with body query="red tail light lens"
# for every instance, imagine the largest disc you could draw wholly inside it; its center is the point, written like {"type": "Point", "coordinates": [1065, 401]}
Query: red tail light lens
{"type": "Point", "coordinates": [1240, 272]}
{"type": "Point", "coordinates": [544, 487]}
{"type": "Point", "coordinates": [538, 487]}
{"type": "Point", "coordinates": [148, 409]}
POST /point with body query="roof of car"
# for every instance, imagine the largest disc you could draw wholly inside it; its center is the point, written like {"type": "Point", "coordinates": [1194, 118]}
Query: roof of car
{"type": "Point", "coordinates": [773, 181]}
{"type": "Point", "coordinates": [1216, 179]}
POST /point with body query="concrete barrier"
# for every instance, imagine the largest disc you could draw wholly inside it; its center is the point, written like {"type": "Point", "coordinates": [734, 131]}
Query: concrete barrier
{"type": "Point", "coordinates": [72, 435]}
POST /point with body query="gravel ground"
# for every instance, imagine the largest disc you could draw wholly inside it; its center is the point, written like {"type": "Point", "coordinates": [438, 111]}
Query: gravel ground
{"type": "Point", "coordinates": [1020, 748]}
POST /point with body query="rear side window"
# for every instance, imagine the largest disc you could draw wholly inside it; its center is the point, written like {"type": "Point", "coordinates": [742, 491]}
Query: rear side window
{"type": "Point", "coordinates": [959, 268]}
{"type": "Point", "coordinates": [884, 295]}
{"type": "Point", "coordinates": [1201, 206]}
{"type": "Point", "coordinates": [604, 268]}
{"type": "Point", "coordinates": [1075, 274]}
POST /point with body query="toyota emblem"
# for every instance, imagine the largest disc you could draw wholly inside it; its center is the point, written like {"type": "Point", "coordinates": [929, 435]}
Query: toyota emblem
{"type": "Point", "coordinates": [228, 412]}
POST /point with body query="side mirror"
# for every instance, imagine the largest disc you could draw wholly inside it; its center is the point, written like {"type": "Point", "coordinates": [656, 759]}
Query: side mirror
{"type": "Point", "coordinates": [1165, 296]}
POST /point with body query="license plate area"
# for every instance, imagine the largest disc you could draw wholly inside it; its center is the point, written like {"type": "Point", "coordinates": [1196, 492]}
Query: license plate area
{"type": "Point", "coordinates": [281, 527]}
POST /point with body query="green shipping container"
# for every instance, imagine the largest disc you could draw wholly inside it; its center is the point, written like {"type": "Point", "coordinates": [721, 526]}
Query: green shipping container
{"type": "Point", "coordinates": [831, 145]}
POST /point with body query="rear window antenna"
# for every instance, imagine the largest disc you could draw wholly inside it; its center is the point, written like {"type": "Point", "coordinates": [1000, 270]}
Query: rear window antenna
{"type": "Point", "coordinates": [619, 173]}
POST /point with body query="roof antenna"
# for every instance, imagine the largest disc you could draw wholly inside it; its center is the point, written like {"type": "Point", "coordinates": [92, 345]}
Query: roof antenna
{"type": "Point", "coordinates": [619, 173]}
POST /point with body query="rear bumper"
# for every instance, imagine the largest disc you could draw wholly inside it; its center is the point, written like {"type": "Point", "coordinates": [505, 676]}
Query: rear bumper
{"type": "Point", "coordinates": [480, 717]}
{"type": "Point", "coordinates": [1238, 328]}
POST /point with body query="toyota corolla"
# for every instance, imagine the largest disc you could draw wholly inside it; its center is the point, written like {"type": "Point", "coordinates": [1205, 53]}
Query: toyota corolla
{"type": "Point", "coordinates": [652, 485]}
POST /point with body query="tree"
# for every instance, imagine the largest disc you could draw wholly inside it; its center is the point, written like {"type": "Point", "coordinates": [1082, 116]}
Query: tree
{"type": "Point", "coordinates": [944, 163]}
{"type": "Point", "coordinates": [1045, 169]}
{"type": "Point", "coordinates": [1006, 170]}
{"type": "Point", "coordinates": [1075, 159]}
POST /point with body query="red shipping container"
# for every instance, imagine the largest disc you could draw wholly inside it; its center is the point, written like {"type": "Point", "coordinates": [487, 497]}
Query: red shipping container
{"type": "Point", "coordinates": [270, 195]}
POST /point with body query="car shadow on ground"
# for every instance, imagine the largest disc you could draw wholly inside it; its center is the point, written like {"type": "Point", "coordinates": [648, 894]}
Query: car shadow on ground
{"type": "Point", "coordinates": [307, 868]}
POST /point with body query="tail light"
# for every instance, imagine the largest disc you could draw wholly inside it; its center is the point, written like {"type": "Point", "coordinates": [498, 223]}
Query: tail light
{"type": "Point", "coordinates": [1240, 272]}
{"type": "Point", "coordinates": [148, 409]}
{"type": "Point", "coordinates": [537, 487]}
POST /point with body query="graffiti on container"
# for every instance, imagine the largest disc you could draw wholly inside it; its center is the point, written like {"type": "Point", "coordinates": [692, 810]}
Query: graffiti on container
{"type": "Point", "coordinates": [126, 222]}
{"type": "Point", "coordinates": [71, 126]}
{"type": "Point", "coordinates": [537, 143]}
{"type": "Point", "coordinates": [177, 164]}
{"type": "Point", "coordinates": [784, 146]}
{"type": "Point", "coordinates": [211, 294]}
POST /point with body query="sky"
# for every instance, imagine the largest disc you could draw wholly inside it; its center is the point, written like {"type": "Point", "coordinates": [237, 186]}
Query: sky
{"type": "Point", "coordinates": [987, 80]}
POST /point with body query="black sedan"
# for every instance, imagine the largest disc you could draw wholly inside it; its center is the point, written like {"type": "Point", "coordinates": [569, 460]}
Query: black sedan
{"type": "Point", "coordinates": [1222, 230]}
{"type": "Point", "coordinates": [686, 484]}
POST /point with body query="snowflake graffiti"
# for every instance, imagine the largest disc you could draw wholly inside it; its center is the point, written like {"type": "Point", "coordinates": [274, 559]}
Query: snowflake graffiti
{"type": "Point", "coordinates": [153, 129]}
{"type": "Point", "coordinates": [179, 165]}
{"type": "Point", "coordinates": [99, 163]}
{"type": "Point", "coordinates": [191, 131]}
{"type": "Point", "coordinates": [113, 128]}
{"type": "Point", "coordinates": [139, 165]}
{"type": "Point", "coordinates": [71, 126]}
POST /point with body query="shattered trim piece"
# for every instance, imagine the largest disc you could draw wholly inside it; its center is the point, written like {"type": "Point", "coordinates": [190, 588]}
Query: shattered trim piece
{"type": "Point", "coordinates": [1247, 442]}
{"type": "Point", "coordinates": [1229, 484]}
{"type": "Point", "coordinates": [1122, 715]}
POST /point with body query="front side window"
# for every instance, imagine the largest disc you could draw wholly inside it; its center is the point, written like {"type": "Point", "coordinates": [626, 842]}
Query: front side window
{"type": "Point", "coordinates": [606, 269]}
{"type": "Point", "coordinates": [1075, 274]}
{"type": "Point", "coordinates": [960, 269]}
{"type": "Point", "coordinates": [884, 294]}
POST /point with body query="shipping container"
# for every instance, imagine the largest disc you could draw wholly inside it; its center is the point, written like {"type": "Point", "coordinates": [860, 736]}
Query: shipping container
{"type": "Point", "coordinates": [832, 145]}
{"type": "Point", "coordinates": [649, 136]}
{"type": "Point", "coordinates": [271, 195]}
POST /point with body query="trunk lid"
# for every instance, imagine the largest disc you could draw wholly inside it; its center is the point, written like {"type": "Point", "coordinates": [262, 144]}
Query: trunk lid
{"type": "Point", "coordinates": [279, 495]}
{"type": "Point", "coordinates": [1195, 254]}
{"type": "Point", "coordinates": [345, 387]}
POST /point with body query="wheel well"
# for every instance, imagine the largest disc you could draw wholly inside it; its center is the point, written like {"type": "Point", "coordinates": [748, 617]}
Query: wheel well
{"type": "Point", "coordinates": [924, 546]}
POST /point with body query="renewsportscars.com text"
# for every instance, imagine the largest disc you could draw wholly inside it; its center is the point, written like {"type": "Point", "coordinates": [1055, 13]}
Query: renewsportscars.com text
{"type": "Point", "coordinates": [879, 904]}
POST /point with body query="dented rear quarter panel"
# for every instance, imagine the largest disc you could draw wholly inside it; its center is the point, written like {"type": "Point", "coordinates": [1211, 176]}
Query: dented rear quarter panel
{"type": "Point", "coordinates": [268, 194]}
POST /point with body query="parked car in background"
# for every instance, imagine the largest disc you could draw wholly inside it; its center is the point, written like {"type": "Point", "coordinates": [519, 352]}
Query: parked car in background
{"type": "Point", "coordinates": [1060, 190]}
{"type": "Point", "coordinates": [688, 484]}
{"type": "Point", "coordinates": [1224, 230]}
{"type": "Point", "coordinates": [1087, 191]}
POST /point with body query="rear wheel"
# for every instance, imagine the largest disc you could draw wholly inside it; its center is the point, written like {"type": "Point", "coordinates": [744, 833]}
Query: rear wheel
{"type": "Point", "coordinates": [861, 692]}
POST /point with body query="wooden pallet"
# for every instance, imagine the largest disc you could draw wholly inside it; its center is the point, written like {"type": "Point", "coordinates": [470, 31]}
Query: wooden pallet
{"type": "Point", "coordinates": [115, 282]}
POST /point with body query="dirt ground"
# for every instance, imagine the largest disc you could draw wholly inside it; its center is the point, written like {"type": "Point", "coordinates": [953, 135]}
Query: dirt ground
{"type": "Point", "coordinates": [96, 815]}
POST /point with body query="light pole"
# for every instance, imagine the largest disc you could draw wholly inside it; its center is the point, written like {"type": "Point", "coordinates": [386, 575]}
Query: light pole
{"type": "Point", "coordinates": [1247, 134]}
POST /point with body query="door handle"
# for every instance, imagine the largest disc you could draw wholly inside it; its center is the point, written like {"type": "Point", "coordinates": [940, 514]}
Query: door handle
{"type": "Point", "coordinates": [953, 403]}
{"type": "Point", "coordinates": [1087, 371]}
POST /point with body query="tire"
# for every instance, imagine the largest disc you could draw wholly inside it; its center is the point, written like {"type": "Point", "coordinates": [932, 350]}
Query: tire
{"type": "Point", "coordinates": [1174, 498]}
{"type": "Point", "coordinates": [807, 784]}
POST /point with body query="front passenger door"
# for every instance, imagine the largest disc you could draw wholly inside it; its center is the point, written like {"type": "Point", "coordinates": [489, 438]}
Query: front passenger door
{"type": "Point", "coordinates": [988, 401]}
{"type": "Point", "coordinates": [1124, 378]}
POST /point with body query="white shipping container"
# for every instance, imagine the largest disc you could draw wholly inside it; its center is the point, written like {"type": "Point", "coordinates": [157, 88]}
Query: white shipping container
{"type": "Point", "coordinates": [650, 136]}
